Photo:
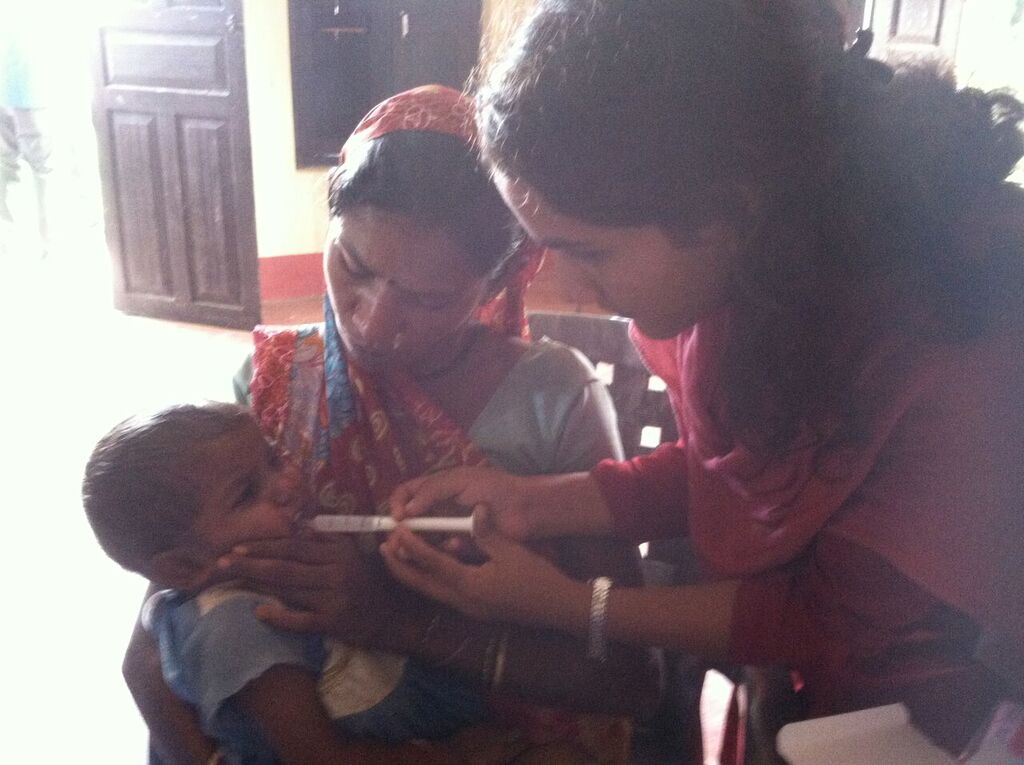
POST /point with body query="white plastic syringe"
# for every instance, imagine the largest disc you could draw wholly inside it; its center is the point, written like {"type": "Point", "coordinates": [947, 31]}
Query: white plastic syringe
{"type": "Point", "coordinates": [361, 524]}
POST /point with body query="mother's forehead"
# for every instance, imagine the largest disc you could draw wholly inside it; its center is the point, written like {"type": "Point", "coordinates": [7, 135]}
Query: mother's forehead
{"type": "Point", "coordinates": [395, 245]}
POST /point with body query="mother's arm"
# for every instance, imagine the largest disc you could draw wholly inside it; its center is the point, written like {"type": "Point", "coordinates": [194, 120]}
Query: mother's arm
{"type": "Point", "coordinates": [318, 576]}
{"type": "Point", "coordinates": [541, 665]}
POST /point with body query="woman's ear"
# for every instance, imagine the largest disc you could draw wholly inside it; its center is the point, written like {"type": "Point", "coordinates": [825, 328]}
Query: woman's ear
{"type": "Point", "coordinates": [181, 568]}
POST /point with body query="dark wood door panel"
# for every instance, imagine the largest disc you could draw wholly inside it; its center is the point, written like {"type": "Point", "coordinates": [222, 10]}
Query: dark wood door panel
{"type": "Point", "coordinates": [172, 128]}
{"type": "Point", "coordinates": [210, 217]}
{"type": "Point", "coordinates": [185, 62]}
{"type": "Point", "coordinates": [348, 55]}
{"type": "Point", "coordinates": [438, 41]}
{"type": "Point", "coordinates": [339, 70]}
{"type": "Point", "coordinates": [138, 184]}
{"type": "Point", "coordinates": [916, 29]}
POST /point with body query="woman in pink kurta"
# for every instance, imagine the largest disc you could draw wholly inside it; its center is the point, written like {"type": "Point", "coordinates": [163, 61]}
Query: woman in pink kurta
{"type": "Point", "coordinates": [823, 261]}
{"type": "Point", "coordinates": [856, 576]}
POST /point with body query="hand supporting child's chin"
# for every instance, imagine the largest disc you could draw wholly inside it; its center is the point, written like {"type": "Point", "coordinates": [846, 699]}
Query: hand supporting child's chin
{"type": "Point", "coordinates": [324, 581]}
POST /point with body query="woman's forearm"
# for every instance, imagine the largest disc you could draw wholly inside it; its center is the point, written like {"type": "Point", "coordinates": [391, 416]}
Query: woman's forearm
{"type": "Point", "coordinates": [537, 663]}
{"type": "Point", "coordinates": [542, 665]}
{"type": "Point", "coordinates": [566, 505]}
{"type": "Point", "coordinates": [174, 728]}
{"type": "Point", "coordinates": [551, 667]}
{"type": "Point", "coordinates": [696, 618]}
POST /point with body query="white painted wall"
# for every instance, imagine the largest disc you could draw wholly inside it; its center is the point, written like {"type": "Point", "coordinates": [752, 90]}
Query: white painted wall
{"type": "Point", "coordinates": [500, 17]}
{"type": "Point", "coordinates": [990, 50]}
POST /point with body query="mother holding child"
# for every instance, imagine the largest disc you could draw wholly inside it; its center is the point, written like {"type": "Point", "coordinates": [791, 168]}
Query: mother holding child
{"type": "Point", "coordinates": [824, 262]}
{"type": "Point", "coordinates": [419, 366]}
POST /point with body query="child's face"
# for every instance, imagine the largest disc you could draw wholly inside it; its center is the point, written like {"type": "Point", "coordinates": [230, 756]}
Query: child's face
{"type": "Point", "coordinates": [243, 494]}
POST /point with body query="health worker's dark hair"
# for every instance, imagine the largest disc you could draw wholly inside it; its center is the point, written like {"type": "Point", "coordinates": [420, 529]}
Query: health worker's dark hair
{"type": "Point", "coordinates": [851, 188]}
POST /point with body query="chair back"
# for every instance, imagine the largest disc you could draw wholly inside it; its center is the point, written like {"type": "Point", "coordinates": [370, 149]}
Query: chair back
{"type": "Point", "coordinates": [641, 401]}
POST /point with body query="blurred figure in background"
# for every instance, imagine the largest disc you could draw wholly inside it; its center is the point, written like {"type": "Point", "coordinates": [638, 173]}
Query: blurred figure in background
{"type": "Point", "coordinates": [25, 95]}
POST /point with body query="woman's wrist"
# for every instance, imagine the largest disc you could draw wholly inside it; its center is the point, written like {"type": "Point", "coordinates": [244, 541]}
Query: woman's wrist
{"type": "Point", "coordinates": [568, 608]}
{"type": "Point", "coordinates": [444, 638]}
{"type": "Point", "coordinates": [568, 505]}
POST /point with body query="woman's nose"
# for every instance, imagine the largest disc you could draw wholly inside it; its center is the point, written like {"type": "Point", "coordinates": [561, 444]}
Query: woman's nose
{"type": "Point", "coordinates": [378, 318]}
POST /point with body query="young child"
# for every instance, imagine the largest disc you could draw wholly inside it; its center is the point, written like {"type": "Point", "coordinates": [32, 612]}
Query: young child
{"type": "Point", "coordinates": [168, 494]}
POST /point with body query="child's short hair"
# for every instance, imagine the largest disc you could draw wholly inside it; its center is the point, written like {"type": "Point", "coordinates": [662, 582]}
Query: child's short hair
{"type": "Point", "coordinates": [137, 492]}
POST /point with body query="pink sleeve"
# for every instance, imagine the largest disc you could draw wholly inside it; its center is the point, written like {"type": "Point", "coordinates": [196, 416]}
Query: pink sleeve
{"type": "Point", "coordinates": [646, 495]}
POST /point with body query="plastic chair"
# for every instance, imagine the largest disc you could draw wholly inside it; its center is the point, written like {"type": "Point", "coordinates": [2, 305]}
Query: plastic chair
{"type": "Point", "coordinates": [645, 415]}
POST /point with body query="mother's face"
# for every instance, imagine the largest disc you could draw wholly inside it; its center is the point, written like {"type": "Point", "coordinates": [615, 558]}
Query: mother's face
{"type": "Point", "coordinates": [403, 295]}
{"type": "Point", "coordinates": [636, 271]}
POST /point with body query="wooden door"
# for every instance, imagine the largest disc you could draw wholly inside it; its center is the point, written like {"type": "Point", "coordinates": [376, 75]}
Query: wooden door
{"type": "Point", "coordinates": [916, 29]}
{"type": "Point", "coordinates": [172, 126]}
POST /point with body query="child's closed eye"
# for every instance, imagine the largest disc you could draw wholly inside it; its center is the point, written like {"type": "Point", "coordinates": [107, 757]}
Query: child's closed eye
{"type": "Point", "coordinates": [247, 494]}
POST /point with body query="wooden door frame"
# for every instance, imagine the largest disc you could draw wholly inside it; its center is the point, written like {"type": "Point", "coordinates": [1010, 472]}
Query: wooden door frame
{"type": "Point", "coordinates": [177, 303]}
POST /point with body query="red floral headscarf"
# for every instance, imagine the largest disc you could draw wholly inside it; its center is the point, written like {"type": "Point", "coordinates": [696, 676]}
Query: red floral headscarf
{"type": "Point", "coordinates": [440, 109]}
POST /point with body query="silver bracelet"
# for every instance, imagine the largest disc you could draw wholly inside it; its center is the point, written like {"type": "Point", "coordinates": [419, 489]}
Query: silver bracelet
{"type": "Point", "coordinates": [425, 638]}
{"type": "Point", "coordinates": [597, 643]}
{"type": "Point", "coordinates": [447, 661]}
{"type": "Point", "coordinates": [499, 661]}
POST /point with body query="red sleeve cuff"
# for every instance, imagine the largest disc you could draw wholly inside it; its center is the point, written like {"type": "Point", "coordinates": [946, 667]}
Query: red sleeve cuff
{"type": "Point", "coordinates": [646, 495]}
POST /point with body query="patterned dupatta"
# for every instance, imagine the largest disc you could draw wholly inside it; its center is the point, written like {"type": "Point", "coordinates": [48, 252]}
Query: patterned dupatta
{"type": "Point", "coordinates": [356, 439]}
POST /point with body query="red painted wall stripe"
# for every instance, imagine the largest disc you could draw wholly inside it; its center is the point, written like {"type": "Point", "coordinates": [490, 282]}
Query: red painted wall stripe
{"type": "Point", "coordinates": [285, 277]}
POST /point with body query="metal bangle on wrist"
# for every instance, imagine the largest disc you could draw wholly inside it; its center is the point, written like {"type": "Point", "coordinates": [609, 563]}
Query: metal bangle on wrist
{"type": "Point", "coordinates": [597, 637]}
{"type": "Point", "coordinates": [493, 670]}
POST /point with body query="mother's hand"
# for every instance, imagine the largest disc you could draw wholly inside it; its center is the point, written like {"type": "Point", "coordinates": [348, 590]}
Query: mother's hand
{"type": "Point", "coordinates": [323, 582]}
{"type": "Point", "coordinates": [514, 585]}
